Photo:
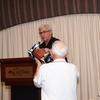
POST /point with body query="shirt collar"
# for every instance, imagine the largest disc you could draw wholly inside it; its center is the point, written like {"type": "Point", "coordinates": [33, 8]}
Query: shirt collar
{"type": "Point", "coordinates": [58, 60]}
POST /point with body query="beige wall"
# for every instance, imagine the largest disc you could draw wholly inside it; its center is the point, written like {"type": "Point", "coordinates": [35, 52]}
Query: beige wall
{"type": "Point", "coordinates": [81, 33]}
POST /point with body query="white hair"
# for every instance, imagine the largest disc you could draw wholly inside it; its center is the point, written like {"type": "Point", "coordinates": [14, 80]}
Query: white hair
{"type": "Point", "coordinates": [59, 48]}
{"type": "Point", "coordinates": [46, 26]}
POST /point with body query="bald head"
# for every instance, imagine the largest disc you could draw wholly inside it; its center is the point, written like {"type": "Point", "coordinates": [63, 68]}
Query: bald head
{"type": "Point", "coordinates": [59, 49]}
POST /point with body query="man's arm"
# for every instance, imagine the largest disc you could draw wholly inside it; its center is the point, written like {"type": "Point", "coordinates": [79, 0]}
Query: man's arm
{"type": "Point", "coordinates": [37, 78]}
{"type": "Point", "coordinates": [38, 67]}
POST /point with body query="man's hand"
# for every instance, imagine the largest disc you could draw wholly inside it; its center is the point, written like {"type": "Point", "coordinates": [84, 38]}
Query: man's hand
{"type": "Point", "coordinates": [47, 50]}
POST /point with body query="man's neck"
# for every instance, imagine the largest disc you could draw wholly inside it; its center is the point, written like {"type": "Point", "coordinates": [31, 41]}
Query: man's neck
{"type": "Point", "coordinates": [57, 57]}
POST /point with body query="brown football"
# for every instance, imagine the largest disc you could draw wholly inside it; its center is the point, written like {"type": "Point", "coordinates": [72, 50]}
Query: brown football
{"type": "Point", "coordinates": [39, 53]}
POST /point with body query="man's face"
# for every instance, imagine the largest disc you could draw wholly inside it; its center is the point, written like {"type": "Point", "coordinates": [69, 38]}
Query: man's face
{"type": "Point", "coordinates": [45, 34]}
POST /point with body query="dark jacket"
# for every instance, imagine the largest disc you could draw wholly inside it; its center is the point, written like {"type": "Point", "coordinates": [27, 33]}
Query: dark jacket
{"type": "Point", "coordinates": [49, 45]}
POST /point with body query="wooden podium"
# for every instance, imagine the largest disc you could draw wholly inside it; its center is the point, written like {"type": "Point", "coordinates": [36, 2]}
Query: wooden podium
{"type": "Point", "coordinates": [19, 72]}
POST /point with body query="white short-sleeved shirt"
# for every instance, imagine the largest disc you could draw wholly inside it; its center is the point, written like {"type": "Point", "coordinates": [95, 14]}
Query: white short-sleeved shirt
{"type": "Point", "coordinates": [57, 80]}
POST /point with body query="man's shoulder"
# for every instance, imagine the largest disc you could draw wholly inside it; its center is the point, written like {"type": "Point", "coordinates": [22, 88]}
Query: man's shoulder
{"type": "Point", "coordinates": [46, 64]}
{"type": "Point", "coordinates": [71, 65]}
{"type": "Point", "coordinates": [54, 39]}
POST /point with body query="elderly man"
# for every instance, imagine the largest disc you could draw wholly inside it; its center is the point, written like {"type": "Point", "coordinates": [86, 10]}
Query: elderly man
{"type": "Point", "coordinates": [46, 35]}
{"type": "Point", "coordinates": [58, 79]}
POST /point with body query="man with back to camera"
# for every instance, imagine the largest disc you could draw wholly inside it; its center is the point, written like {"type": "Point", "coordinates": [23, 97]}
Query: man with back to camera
{"type": "Point", "coordinates": [46, 35]}
{"type": "Point", "coordinates": [58, 79]}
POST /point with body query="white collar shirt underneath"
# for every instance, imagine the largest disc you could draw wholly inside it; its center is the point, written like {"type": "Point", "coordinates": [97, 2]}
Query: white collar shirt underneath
{"type": "Point", "coordinates": [57, 80]}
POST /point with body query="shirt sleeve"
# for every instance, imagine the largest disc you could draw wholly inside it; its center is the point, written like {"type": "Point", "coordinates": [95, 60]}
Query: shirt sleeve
{"type": "Point", "coordinates": [38, 79]}
{"type": "Point", "coordinates": [77, 72]}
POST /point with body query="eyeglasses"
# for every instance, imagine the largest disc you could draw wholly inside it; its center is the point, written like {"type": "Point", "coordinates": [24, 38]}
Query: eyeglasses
{"type": "Point", "coordinates": [43, 32]}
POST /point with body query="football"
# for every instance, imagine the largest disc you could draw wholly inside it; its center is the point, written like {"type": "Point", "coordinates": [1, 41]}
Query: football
{"type": "Point", "coordinates": [39, 53]}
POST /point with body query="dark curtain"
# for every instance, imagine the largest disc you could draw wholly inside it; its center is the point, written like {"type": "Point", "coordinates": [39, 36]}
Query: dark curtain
{"type": "Point", "coordinates": [13, 12]}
